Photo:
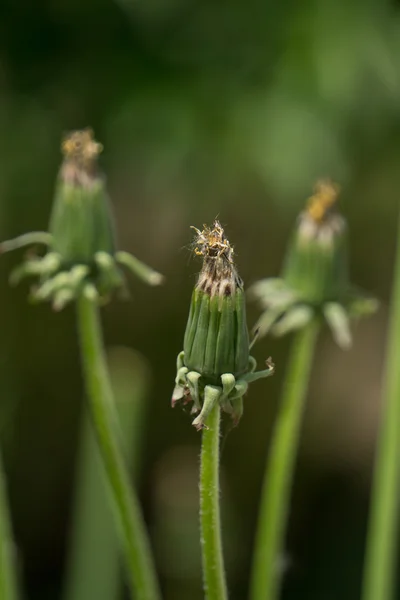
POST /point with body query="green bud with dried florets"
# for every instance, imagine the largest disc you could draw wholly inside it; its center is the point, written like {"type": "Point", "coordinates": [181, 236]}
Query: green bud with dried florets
{"type": "Point", "coordinates": [80, 223]}
{"type": "Point", "coordinates": [315, 278]}
{"type": "Point", "coordinates": [215, 365]}
{"type": "Point", "coordinates": [316, 263]}
{"type": "Point", "coordinates": [81, 255]}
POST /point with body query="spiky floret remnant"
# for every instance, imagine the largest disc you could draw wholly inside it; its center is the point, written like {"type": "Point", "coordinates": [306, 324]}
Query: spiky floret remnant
{"type": "Point", "coordinates": [211, 243]}
{"type": "Point", "coordinates": [320, 204]}
{"type": "Point", "coordinates": [80, 151]}
{"type": "Point", "coordinates": [215, 365]}
{"type": "Point", "coordinates": [320, 219]}
{"type": "Point", "coordinates": [81, 257]}
{"type": "Point", "coordinates": [80, 147]}
{"type": "Point", "coordinates": [218, 276]}
{"type": "Point", "coordinates": [315, 277]}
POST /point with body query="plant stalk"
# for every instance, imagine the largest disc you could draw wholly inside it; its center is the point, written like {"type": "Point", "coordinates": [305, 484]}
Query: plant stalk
{"type": "Point", "coordinates": [381, 551]}
{"type": "Point", "coordinates": [132, 531]}
{"type": "Point", "coordinates": [275, 497]}
{"type": "Point", "coordinates": [93, 566]}
{"type": "Point", "coordinates": [211, 542]}
{"type": "Point", "coordinates": [8, 578]}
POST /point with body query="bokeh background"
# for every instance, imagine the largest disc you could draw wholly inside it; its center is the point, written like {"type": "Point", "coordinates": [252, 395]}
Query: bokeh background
{"type": "Point", "coordinates": [205, 108]}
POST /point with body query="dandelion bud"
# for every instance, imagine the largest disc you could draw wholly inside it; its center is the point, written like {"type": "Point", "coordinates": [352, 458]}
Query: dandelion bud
{"type": "Point", "coordinates": [315, 277]}
{"type": "Point", "coordinates": [81, 256]}
{"type": "Point", "coordinates": [80, 222]}
{"type": "Point", "coordinates": [215, 365]}
{"type": "Point", "coordinates": [216, 339]}
{"type": "Point", "coordinates": [316, 261]}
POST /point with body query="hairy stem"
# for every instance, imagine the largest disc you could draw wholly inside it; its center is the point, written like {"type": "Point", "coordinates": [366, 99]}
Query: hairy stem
{"type": "Point", "coordinates": [275, 497]}
{"type": "Point", "coordinates": [132, 531]}
{"type": "Point", "coordinates": [213, 562]}
{"type": "Point", "coordinates": [8, 578]}
{"type": "Point", "coordinates": [381, 553]}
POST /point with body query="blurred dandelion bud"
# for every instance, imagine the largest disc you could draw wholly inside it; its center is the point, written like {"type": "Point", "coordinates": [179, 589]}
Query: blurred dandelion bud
{"type": "Point", "coordinates": [315, 277]}
{"type": "Point", "coordinates": [81, 248]}
{"type": "Point", "coordinates": [316, 262]}
{"type": "Point", "coordinates": [80, 223]}
{"type": "Point", "coordinates": [215, 365]}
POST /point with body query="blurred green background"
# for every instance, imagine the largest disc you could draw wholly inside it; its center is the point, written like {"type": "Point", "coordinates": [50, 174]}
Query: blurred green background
{"type": "Point", "coordinates": [205, 108]}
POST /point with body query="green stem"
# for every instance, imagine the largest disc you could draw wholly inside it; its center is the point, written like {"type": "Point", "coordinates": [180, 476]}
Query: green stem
{"type": "Point", "coordinates": [141, 571]}
{"type": "Point", "coordinates": [93, 567]}
{"type": "Point", "coordinates": [8, 578]}
{"type": "Point", "coordinates": [213, 562]}
{"type": "Point", "coordinates": [275, 498]}
{"type": "Point", "coordinates": [380, 560]}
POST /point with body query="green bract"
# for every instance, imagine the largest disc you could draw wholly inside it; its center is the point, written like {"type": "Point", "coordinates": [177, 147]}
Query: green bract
{"type": "Point", "coordinates": [81, 250]}
{"type": "Point", "coordinates": [315, 278]}
{"type": "Point", "coordinates": [216, 339]}
{"type": "Point", "coordinates": [215, 365]}
{"type": "Point", "coordinates": [80, 223]}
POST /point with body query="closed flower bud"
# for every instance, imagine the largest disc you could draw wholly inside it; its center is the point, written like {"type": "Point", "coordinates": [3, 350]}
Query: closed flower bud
{"type": "Point", "coordinates": [316, 261]}
{"type": "Point", "coordinates": [80, 223]}
{"type": "Point", "coordinates": [315, 277]}
{"type": "Point", "coordinates": [216, 339]}
{"type": "Point", "coordinates": [215, 364]}
{"type": "Point", "coordinates": [81, 253]}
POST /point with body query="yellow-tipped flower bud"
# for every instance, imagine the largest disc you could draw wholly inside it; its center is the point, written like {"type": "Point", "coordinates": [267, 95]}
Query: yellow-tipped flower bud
{"type": "Point", "coordinates": [315, 277]}
{"type": "Point", "coordinates": [80, 222]}
{"type": "Point", "coordinates": [316, 261]}
{"type": "Point", "coordinates": [81, 256]}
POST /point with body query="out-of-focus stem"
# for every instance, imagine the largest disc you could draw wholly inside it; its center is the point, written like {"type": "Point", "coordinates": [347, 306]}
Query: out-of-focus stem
{"type": "Point", "coordinates": [93, 569]}
{"type": "Point", "coordinates": [277, 486]}
{"type": "Point", "coordinates": [132, 531]}
{"type": "Point", "coordinates": [8, 578]}
{"type": "Point", "coordinates": [380, 563]}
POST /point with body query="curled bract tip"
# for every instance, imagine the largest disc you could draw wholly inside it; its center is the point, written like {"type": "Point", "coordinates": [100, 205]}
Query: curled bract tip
{"type": "Point", "coordinates": [323, 199]}
{"type": "Point", "coordinates": [270, 363]}
{"type": "Point", "coordinates": [80, 145]}
{"type": "Point", "coordinates": [211, 242]}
